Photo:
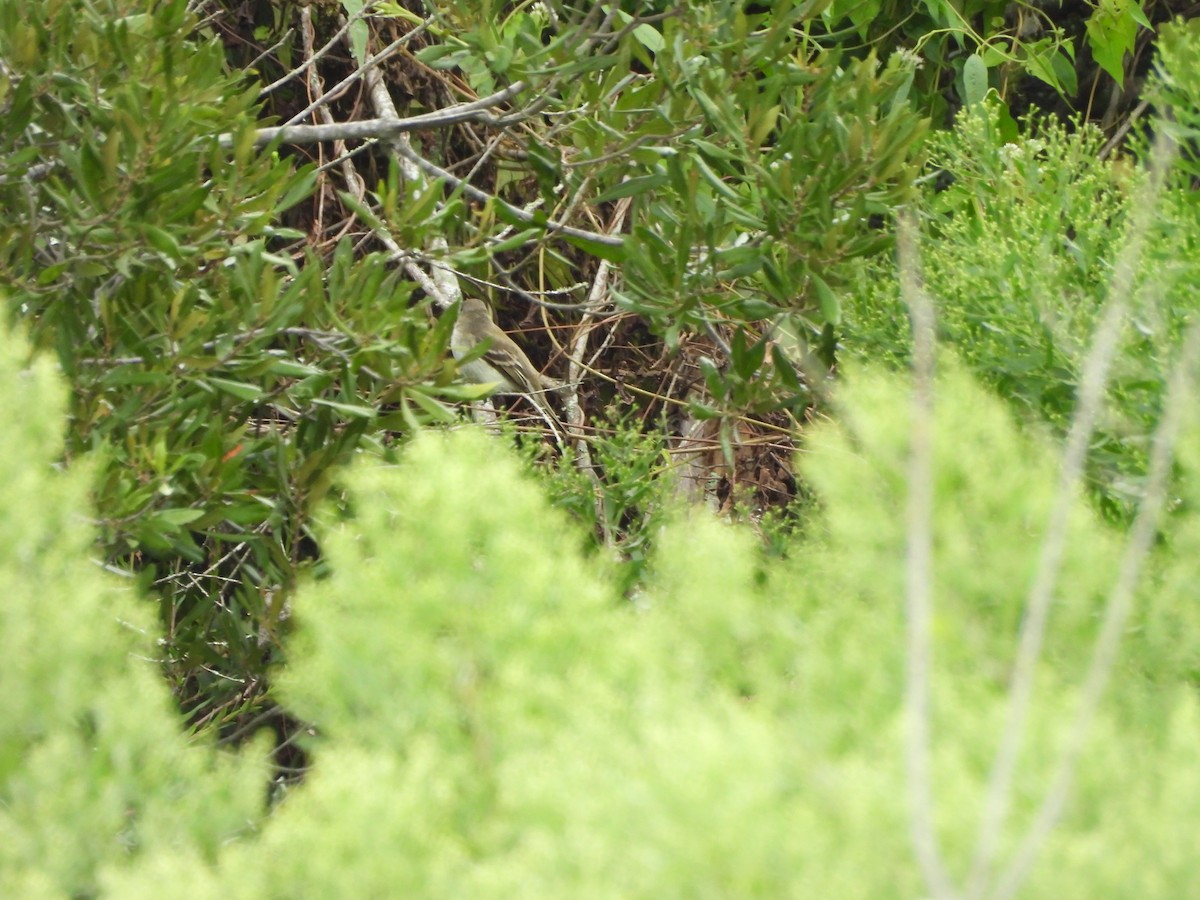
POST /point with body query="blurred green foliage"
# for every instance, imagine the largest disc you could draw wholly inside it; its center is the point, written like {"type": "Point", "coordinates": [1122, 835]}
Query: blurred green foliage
{"type": "Point", "coordinates": [1174, 88]}
{"type": "Point", "coordinates": [94, 767]}
{"type": "Point", "coordinates": [491, 717]}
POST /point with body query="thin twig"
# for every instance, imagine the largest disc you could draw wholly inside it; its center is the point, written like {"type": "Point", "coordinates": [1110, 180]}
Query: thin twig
{"type": "Point", "coordinates": [317, 55]}
{"type": "Point", "coordinates": [354, 182]}
{"type": "Point", "coordinates": [1119, 134]}
{"type": "Point", "coordinates": [1093, 382]}
{"type": "Point", "coordinates": [444, 292]}
{"type": "Point", "coordinates": [597, 299]}
{"type": "Point", "coordinates": [353, 78]}
{"type": "Point", "coordinates": [475, 110]}
{"type": "Point", "coordinates": [252, 65]}
{"type": "Point", "coordinates": [1116, 613]}
{"type": "Point", "coordinates": [919, 571]}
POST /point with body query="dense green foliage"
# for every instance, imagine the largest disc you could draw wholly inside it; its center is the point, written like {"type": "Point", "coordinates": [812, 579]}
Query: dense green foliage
{"type": "Point", "coordinates": [223, 372]}
{"type": "Point", "coordinates": [1020, 254]}
{"type": "Point", "coordinates": [689, 213]}
{"type": "Point", "coordinates": [227, 354]}
{"type": "Point", "coordinates": [493, 718]}
{"type": "Point", "coordinates": [93, 764]}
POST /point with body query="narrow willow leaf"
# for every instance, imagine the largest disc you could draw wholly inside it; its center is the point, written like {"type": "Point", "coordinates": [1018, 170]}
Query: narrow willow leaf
{"type": "Point", "coordinates": [238, 389]}
{"type": "Point", "coordinates": [350, 409]}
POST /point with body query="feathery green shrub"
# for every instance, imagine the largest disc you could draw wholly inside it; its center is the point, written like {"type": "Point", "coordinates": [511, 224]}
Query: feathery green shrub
{"type": "Point", "coordinates": [1023, 235]}
{"type": "Point", "coordinates": [94, 768]}
{"type": "Point", "coordinates": [493, 717]}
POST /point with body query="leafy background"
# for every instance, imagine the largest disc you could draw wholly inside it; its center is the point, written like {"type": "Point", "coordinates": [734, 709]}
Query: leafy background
{"type": "Point", "coordinates": [688, 213]}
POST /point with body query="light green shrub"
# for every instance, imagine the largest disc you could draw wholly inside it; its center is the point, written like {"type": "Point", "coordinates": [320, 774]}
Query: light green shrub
{"type": "Point", "coordinates": [1019, 254]}
{"type": "Point", "coordinates": [94, 768]}
{"type": "Point", "coordinates": [492, 718]}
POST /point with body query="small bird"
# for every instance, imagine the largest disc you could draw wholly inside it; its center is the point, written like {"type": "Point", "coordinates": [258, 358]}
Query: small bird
{"type": "Point", "coordinates": [503, 363]}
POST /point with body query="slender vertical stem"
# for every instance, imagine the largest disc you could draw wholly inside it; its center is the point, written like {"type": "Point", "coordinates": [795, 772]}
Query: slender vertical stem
{"type": "Point", "coordinates": [1093, 382]}
{"type": "Point", "coordinates": [919, 572]}
{"type": "Point", "coordinates": [1116, 613]}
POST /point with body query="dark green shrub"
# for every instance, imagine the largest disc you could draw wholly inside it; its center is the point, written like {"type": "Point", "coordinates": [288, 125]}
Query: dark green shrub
{"type": "Point", "coordinates": [222, 369]}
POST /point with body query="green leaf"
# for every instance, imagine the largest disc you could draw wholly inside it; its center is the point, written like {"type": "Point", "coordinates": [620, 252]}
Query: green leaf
{"type": "Point", "coordinates": [179, 517]}
{"type": "Point", "coordinates": [300, 189]}
{"type": "Point", "coordinates": [91, 170]}
{"type": "Point", "coordinates": [437, 412]}
{"type": "Point", "coordinates": [711, 110]}
{"type": "Point", "coordinates": [516, 241]}
{"type": "Point", "coordinates": [1006, 125]}
{"type": "Point", "coordinates": [349, 409]}
{"type": "Point", "coordinates": [649, 37]}
{"type": "Point", "coordinates": [633, 186]}
{"type": "Point", "coordinates": [827, 301]}
{"type": "Point", "coordinates": [745, 361]}
{"type": "Point", "coordinates": [996, 52]}
{"type": "Point", "coordinates": [466, 391]}
{"type": "Point", "coordinates": [975, 80]}
{"type": "Point", "coordinates": [712, 376]}
{"type": "Point", "coordinates": [1112, 31]}
{"type": "Point", "coordinates": [359, 31]}
{"type": "Point", "coordinates": [253, 511]}
{"type": "Point", "coordinates": [291, 368]}
{"type": "Point", "coordinates": [239, 389]}
{"type": "Point", "coordinates": [500, 58]}
{"type": "Point", "coordinates": [423, 202]}
{"type": "Point", "coordinates": [395, 10]}
{"type": "Point", "coordinates": [608, 252]}
{"type": "Point", "coordinates": [51, 273]}
{"type": "Point", "coordinates": [162, 241]}
{"type": "Point", "coordinates": [784, 368]}
{"type": "Point", "coordinates": [717, 182]}
{"type": "Point", "coordinates": [1039, 64]}
{"type": "Point", "coordinates": [1064, 70]}
{"type": "Point", "coordinates": [360, 209]}
{"type": "Point", "coordinates": [755, 308]}
{"type": "Point", "coordinates": [434, 54]}
{"type": "Point", "coordinates": [708, 148]}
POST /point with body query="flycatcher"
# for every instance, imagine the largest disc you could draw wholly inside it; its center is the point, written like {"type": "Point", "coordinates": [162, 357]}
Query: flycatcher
{"type": "Point", "coordinates": [503, 363]}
